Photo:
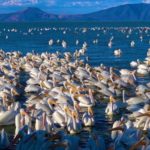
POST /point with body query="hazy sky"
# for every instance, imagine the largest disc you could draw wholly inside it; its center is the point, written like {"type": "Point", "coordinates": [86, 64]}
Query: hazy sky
{"type": "Point", "coordinates": [64, 6]}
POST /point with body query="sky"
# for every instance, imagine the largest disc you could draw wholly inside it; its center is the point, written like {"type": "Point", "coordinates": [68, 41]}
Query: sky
{"type": "Point", "coordinates": [64, 6]}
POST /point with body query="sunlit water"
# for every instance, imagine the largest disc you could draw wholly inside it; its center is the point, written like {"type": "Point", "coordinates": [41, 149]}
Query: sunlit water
{"type": "Point", "coordinates": [37, 41]}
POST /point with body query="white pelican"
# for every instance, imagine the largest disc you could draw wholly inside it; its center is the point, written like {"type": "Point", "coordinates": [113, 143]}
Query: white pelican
{"type": "Point", "coordinates": [141, 38]}
{"type": "Point", "coordinates": [87, 118]}
{"type": "Point", "coordinates": [110, 44]}
{"type": "Point", "coordinates": [112, 107]}
{"type": "Point", "coordinates": [86, 101]}
{"type": "Point", "coordinates": [84, 46]}
{"type": "Point", "coordinates": [32, 88]}
{"type": "Point", "coordinates": [118, 130]}
{"type": "Point", "coordinates": [74, 124]}
{"type": "Point", "coordinates": [58, 41]}
{"type": "Point", "coordinates": [46, 84]}
{"type": "Point", "coordinates": [59, 117]}
{"type": "Point", "coordinates": [132, 44]}
{"type": "Point", "coordinates": [64, 44]}
{"type": "Point", "coordinates": [22, 119]}
{"type": "Point", "coordinates": [77, 42]}
{"type": "Point", "coordinates": [7, 117]}
{"type": "Point", "coordinates": [128, 76]}
{"type": "Point", "coordinates": [50, 42]}
{"type": "Point", "coordinates": [117, 52]}
{"type": "Point", "coordinates": [135, 100]}
{"type": "Point", "coordinates": [143, 70]}
{"type": "Point", "coordinates": [148, 52]}
{"type": "Point", "coordinates": [134, 64]}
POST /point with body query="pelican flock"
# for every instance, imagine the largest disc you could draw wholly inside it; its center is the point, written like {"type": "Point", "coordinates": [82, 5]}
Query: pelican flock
{"type": "Point", "coordinates": [52, 97]}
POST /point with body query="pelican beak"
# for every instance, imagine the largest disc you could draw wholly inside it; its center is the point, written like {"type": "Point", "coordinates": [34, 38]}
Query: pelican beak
{"type": "Point", "coordinates": [67, 110]}
{"type": "Point", "coordinates": [14, 92]}
{"type": "Point", "coordinates": [78, 95]}
{"type": "Point", "coordinates": [90, 111]}
{"type": "Point", "coordinates": [133, 74]}
{"type": "Point", "coordinates": [111, 99]}
{"type": "Point", "coordinates": [5, 97]}
{"type": "Point", "coordinates": [138, 144]}
{"type": "Point", "coordinates": [52, 102]}
{"type": "Point", "coordinates": [31, 107]}
{"type": "Point", "coordinates": [23, 113]}
{"type": "Point", "coordinates": [46, 94]}
{"type": "Point", "coordinates": [54, 137]}
{"type": "Point", "coordinates": [74, 115]}
{"type": "Point", "coordinates": [145, 114]}
{"type": "Point", "coordinates": [101, 77]}
{"type": "Point", "coordinates": [74, 89]}
{"type": "Point", "coordinates": [44, 120]}
{"type": "Point", "coordinates": [115, 129]}
{"type": "Point", "coordinates": [17, 137]}
{"type": "Point", "coordinates": [82, 89]}
{"type": "Point", "coordinates": [42, 84]}
{"type": "Point", "coordinates": [56, 145]}
{"type": "Point", "coordinates": [77, 106]}
{"type": "Point", "coordinates": [122, 122]}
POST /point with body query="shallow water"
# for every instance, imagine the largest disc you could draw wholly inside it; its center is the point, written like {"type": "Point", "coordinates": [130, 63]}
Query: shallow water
{"type": "Point", "coordinates": [37, 40]}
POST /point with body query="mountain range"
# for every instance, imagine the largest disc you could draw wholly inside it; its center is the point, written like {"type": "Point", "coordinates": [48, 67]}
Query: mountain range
{"type": "Point", "coordinates": [128, 12]}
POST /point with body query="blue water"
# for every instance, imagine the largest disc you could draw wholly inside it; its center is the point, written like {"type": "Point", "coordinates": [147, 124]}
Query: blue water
{"type": "Point", "coordinates": [38, 38]}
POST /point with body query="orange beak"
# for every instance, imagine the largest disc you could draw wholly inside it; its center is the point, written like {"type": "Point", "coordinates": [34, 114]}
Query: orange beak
{"type": "Point", "coordinates": [52, 102]}
{"type": "Point", "coordinates": [111, 99]}
{"type": "Point", "coordinates": [90, 111]}
{"type": "Point", "coordinates": [77, 106]}
{"type": "Point", "coordinates": [115, 129]}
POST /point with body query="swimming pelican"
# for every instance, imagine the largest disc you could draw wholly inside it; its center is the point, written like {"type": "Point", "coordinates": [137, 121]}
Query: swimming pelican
{"type": "Point", "coordinates": [77, 42]}
{"type": "Point", "coordinates": [134, 64]}
{"type": "Point", "coordinates": [110, 44]}
{"type": "Point", "coordinates": [132, 44]}
{"type": "Point", "coordinates": [86, 100]}
{"type": "Point", "coordinates": [117, 52]}
{"type": "Point", "coordinates": [74, 124]}
{"type": "Point", "coordinates": [50, 42]}
{"type": "Point", "coordinates": [142, 70]}
{"type": "Point", "coordinates": [64, 44]}
{"type": "Point", "coordinates": [7, 117]}
{"type": "Point", "coordinates": [87, 118]}
{"type": "Point", "coordinates": [111, 108]}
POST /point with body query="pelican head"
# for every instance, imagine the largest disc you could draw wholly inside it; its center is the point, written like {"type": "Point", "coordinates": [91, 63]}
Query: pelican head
{"type": "Point", "coordinates": [22, 112]}
{"type": "Point", "coordinates": [111, 99]}
{"type": "Point", "coordinates": [90, 111]}
{"type": "Point", "coordinates": [67, 110]}
{"type": "Point", "coordinates": [52, 102]}
{"type": "Point", "coordinates": [75, 115]}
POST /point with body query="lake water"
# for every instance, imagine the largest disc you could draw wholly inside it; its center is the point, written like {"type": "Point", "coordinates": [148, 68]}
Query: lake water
{"type": "Point", "coordinates": [40, 33]}
{"type": "Point", "coordinates": [38, 38]}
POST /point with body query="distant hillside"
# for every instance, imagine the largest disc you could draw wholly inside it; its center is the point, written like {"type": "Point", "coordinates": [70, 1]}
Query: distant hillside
{"type": "Point", "coordinates": [128, 12]}
{"type": "Point", "coordinates": [29, 14]}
